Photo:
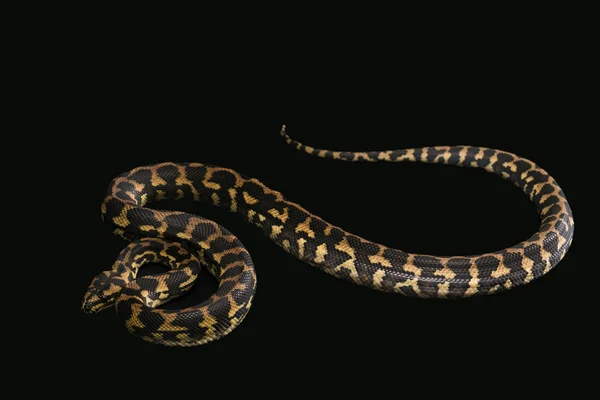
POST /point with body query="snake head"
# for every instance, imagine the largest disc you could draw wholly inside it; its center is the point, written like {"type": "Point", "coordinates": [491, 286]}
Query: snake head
{"type": "Point", "coordinates": [102, 292]}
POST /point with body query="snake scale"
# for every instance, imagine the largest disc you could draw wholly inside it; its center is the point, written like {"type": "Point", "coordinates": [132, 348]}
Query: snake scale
{"type": "Point", "coordinates": [186, 242]}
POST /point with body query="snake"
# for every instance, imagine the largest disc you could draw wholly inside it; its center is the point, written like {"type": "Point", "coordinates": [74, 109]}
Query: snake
{"type": "Point", "coordinates": [186, 243]}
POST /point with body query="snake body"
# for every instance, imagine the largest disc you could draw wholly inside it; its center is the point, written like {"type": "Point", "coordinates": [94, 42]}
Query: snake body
{"type": "Point", "coordinates": [184, 242]}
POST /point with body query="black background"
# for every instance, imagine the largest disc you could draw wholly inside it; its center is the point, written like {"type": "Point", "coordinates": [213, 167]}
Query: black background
{"type": "Point", "coordinates": [136, 108]}
{"type": "Point", "coordinates": [430, 209]}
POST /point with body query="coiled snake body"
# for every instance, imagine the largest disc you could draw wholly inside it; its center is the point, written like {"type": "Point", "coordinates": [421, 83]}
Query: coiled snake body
{"type": "Point", "coordinates": [185, 242]}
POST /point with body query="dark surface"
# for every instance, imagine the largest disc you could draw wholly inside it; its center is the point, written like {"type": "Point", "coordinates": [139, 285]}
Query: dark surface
{"type": "Point", "coordinates": [419, 208]}
{"type": "Point", "coordinates": [304, 323]}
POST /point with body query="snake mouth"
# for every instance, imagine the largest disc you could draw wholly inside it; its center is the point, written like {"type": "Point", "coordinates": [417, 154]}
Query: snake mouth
{"type": "Point", "coordinates": [92, 303]}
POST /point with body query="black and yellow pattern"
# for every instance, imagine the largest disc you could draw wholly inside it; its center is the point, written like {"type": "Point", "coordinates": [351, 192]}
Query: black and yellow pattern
{"type": "Point", "coordinates": [184, 241]}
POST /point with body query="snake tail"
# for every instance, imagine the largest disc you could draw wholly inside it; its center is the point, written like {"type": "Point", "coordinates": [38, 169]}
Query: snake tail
{"type": "Point", "coordinates": [187, 242]}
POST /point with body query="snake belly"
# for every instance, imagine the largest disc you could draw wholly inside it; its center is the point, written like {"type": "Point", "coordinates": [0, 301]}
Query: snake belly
{"type": "Point", "coordinates": [185, 241]}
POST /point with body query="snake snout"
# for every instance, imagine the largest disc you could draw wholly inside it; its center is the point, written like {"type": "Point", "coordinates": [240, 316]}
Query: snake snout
{"type": "Point", "coordinates": [95, 298]}
{"type": "Point", "coordinates": [93, 302]}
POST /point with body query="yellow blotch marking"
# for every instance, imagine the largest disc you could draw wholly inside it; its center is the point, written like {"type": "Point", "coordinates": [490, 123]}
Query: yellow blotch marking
{"type": "Point", "coordinates": [161, 195]}
{"type": "Point", "coordinates": [161, 229]}
{"type": "Point", "coordinates": [443, 289]}
{"type": "Point", "coordinates": [510, 165]}
{"type": "Point", "coordinates": [266, 190]}
{"type": "Point", "coordinates": [232, 194]}
{"type": "Point", "coordinates": [134, 321]}
{"type": "Point", "coordinates": [462, 154]}
{"type": "Point", "coordinates": [150, 253]}
{"type": "Point", "coordinates": [380, 259]}
{"type": "Point", "coordinates": [346, 248]}
{"type": "Point", "coordinates": [410, 282]}
{"type": "Point", "coordinates": [184, 235]}
{"type": "Point", "coordinates": [493, 160]}
{"type": "Point", "coordinates": [215, 199]}
{"type": "Point", "coordinates": [536, 189]}
{"type": "Point", "coordinates": [120, 232]}
{"type": "Point", "coordinates": [500, 270]}
{"type": "Point", "coordinates": [180, 194]}
{"type": "Point", "coordinates": [94, 299]}
{"type": "Point", "coordinates": [322, 153]}
{"type": "Point", "coordinates": [508, 284]}
{"type": "Point", "coordinates": [251, 214]}
{"type": "Point", "coordinates": [446, 156]}
{"type": "Point", "coordinates": [474, 280]}
{"type": "Point", "coordinates": [410, 267]}
{"type": "Point", "coordinates": [167, 326]}
{"type": "Point", "coordinates": [234, 306]}
{"type": "Point", "coordinates": [283, 217]}
{"type": "Point", "coordinates": [378, 278]}
{"type": "Point", "coordinates": [348, 264]}
{"type": "Point", "coordinates": [218, 256]}
{"type": "Point", "coordinates": [189, 281]}
{"type": "Point", "coordinates": [225, 268]}
{"type": "Point", "coordinates": [144, 199]}
{"type": "Point", "coordinates": [208, 323]}
{"type": "Point", "coordinates": [546, 255]}
{"type": "Point", "coordinates": [424, 154]}
{"type": "Point", "coordinates": [479, 155]}
{"type": "Point", "coordinates": [261, 218]}
{"type": "Point", "coordinates": [286, 245]}
{"type": "Point", "coordinates": [445, 272]}
{"type": "Point", "coordinates": [207, 183]}
{"type": "Point", "coordinates": [305, 227]}
{"type": "Point", "coordinates": [183, 337]}
{"type": "Point", "coordinates": [546, 196]}
{"type": "Point", "coordinates": [301, 243]}
{"type": "Point", "coordinates": [122, 220]}
{"type": "Point", "coordinates": [309, 149]}
{"type": "Point", "coordinates": [336, 155]}
{"type": "Point", "coordinates": [202, 257]}
{"type": "Point", "coordinates": [384, 155]}
{"type": "Point", "coordinates": [321, 253]}
{"type": "Point", "coordinates": [164, 253]}
{"type": "Point", "coordinates": [156, 180]}
{"type": "Point", "coordinates": [328, 230]}
{"type": "Point", "coordinates": [139, 187]}
{"type": "Point", "coordinates": [111, 289]}
{"type": "Point", "coordinates": [409, 156]}
{"type": "Point", "coordinates": [249, 199]}
{"type": "Point", "coordinates": [545, 209]}
{"type": "Point", "coordinates": [183, 181]}
{"type": "Point", "coordinates": [494, 289]}
{"type": "Point", "coordinates": [359, 155]}
{"type": "Point", "coordinates": [276, 230]}
{"type": "Point", "coordinates": [528, 179]}
{"type": "Point", "coordinates": [162, 283]}
{"type": "Point", "coordinates": [561, 240]}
